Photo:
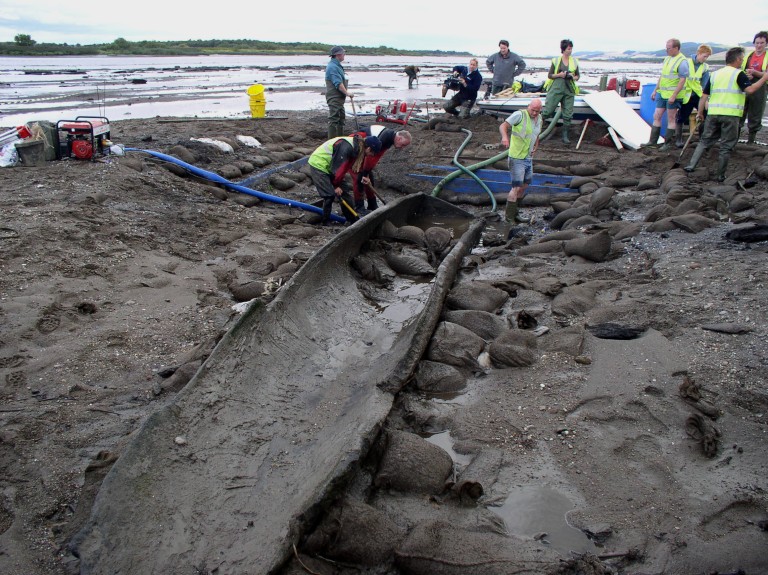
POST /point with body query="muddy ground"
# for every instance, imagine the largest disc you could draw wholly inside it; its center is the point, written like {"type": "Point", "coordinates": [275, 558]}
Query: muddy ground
{"type": "Point", "coordinates": [115, 272]}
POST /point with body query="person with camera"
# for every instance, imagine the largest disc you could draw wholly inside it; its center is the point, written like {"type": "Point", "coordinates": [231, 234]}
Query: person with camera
{"type": "Point", "coordinates": [467, 82]}
{"type": "Point", "coordinates": [561, 86]}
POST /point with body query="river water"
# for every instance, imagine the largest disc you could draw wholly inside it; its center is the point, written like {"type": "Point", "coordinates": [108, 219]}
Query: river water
{"type": "Point", "coordinates": [34, 89]}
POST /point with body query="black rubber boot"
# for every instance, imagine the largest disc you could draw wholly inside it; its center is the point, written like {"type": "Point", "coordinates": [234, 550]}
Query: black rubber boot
{"type": "Point", "coordinates": [722, 166]}
{"type": "Point", "coordinates": [372, 205]}
{"type": "Point", "coordinates": [667, 145]}
{"type": "Point", "coordinates": [654, 139]}
{"type": "Point", "coordinates": [327, 209]}
{"type": "Point", "coordinates": [697, 154]}
{"type": "Point", "coordinates": [679, 136]}
{"type": "Point", "coordinates": [510, 212]}
{"type": "Point", "coordinates": [566, 139]}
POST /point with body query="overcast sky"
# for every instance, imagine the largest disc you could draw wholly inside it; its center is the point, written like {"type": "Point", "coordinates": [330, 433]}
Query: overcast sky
{"type": "Point", "coordinates": [532, 28]}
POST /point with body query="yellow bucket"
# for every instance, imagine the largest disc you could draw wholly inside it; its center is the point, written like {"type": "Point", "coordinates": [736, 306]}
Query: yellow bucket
{"type": "Point", "coordinates": [258, 109]}
{"type": "Point", "coordinates": [256, 91]}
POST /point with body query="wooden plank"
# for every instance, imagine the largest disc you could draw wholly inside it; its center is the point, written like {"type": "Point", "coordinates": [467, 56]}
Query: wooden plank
{"type": "Point", "coordinates": [620, 116]}
{"type": "Point", "coordinates": [615, 138]}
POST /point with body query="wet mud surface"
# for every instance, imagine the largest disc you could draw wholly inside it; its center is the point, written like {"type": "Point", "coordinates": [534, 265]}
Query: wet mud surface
{"type": "Point", "coordinates": [606, 401]}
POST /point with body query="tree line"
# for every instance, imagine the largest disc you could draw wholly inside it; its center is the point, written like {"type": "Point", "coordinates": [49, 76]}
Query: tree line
{"type": "Point", "coordinates": [24, 45]}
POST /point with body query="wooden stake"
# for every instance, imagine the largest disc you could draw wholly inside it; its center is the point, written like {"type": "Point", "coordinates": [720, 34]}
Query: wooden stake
{"type": "Point", "coordinates": [583, 131]}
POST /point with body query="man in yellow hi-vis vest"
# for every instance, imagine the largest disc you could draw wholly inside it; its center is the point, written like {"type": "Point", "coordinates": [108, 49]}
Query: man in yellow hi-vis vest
{"type": "Point", "coordinates": [674, 73]}
{"type": "Point", "coordinates": [520, 133]}
{"type": "Point", "coordinates": [723, 98]}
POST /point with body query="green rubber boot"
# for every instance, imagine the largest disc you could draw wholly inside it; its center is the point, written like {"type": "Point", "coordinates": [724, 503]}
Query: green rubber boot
{"type": "Point", "coordinates": [654, 139]}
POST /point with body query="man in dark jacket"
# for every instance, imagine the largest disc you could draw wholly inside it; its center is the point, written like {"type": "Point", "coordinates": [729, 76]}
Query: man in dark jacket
{"type": "Point", "coordinates": [362, 180]}
{"type": "Point", "coordinates": [470, 81]}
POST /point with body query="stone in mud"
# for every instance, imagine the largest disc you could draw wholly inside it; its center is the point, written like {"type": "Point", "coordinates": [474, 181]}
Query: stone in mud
{"type": "Point", "coordinates": [433, 376]}
{"type": "Point", "coordinates": [455, 345]}
{"type": "Point", "coordinates": [482, 323]}
{"type": "Point", "coordinates": [412, 464]}
{"type": "Point", "coordinates": [514, 348]}
{"type": "Point", "coordinates": [476, 295]}
{"type": "Point", "coordinates": [354, 532]}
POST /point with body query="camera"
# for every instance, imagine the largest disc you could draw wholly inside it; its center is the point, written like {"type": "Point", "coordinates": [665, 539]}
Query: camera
{"type": "Point", "coordinates": [568, 75]}
{"type": "Point", "coordinates": [453, 83]}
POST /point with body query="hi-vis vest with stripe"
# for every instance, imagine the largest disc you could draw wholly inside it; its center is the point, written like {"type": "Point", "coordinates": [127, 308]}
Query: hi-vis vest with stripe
{"type": "Point", "coordinates": [573, 64]}
{"type": "Point", "coordinates": [520, 141]}
{"type": "Point", "coordinates": [726, 98]}
{"type": "Point", "coordinates": [693, 82]}
{"type": "Point", "coordinates": [669, 78]}
{"type": "Point", "coordinates": [322, 157]}
{"type": "Point", "coordinates": [748, 56]}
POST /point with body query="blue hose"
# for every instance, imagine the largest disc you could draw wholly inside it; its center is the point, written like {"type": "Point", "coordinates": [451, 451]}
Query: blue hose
{"type": "Point", "coordinates": [238, 188]}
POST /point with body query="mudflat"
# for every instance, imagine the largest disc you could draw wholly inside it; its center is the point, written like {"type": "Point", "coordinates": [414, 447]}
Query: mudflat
{"type": "Point", "coordinates": [639, 412]}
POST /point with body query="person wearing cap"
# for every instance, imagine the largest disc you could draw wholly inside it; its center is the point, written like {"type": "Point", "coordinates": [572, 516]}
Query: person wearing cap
{"type": "Point", "coordinates": [336, 92]}
{"type": "Point", "coordinates": [363, 181]}
{"type": "Point", "coordinates": [330, 163]}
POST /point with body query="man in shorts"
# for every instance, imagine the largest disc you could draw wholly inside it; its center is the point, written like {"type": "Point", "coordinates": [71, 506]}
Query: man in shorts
{"type": "Point", "coordinates": [674, 73]}
{"type": "Point", "coordinates": [520, 133]}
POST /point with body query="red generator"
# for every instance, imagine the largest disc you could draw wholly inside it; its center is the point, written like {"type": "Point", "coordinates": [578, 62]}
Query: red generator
{"type": "Point", "coordinates": [82, 138]}
{"type": "Point", "coordinates": [396, 112]}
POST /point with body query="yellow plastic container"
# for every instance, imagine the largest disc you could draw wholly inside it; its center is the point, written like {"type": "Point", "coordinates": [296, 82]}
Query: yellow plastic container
{"type": "Point", "coordinates": [256, 91]}
{"type": "Point", "coordinates": [258, 109]}
{"type": "Point", "coordinates": [257, 102]}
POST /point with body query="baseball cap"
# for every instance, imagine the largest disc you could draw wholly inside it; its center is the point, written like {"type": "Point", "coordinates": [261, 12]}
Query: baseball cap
{"type": "Point", "coordinates": [373, 143]}
{"type": "Point", "coordinates": [337, 50]}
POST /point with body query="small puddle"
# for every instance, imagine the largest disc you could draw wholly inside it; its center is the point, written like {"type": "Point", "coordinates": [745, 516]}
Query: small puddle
{"type": "Point", "coordinates": [533, 510]}
{"type": "Point", "coordinates": [444, 440]}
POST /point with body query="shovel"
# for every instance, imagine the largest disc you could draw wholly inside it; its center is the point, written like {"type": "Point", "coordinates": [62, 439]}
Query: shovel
{"type": "Point", "coordinates": [354, 113]}
{"type": "Point", "coordinates": [375, 193]}
{"type": "Point", "coordinates": [346, 205]}
{"type": "Point", "coordinates": [692, 128]}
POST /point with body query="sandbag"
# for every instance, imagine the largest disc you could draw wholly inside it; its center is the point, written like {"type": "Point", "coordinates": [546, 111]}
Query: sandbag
{"type": "Point", "coordinates": [433, 376]}
{"type": "Point", "coordinates": [476, 295]}
{"type": "Point", "coordinates": [574, 300]}
{"type": "Point", "coordinates": [514, 348]}
{"type": "Point", "coordinates": [482, 323]}
{"type": "Point", "coordinates": [357, 533]}
{"type": "Point", "coordinates": [439, 548]}
{"type": "Point", "coordinates": [600, 198]}
{"type": "Point", "coordinates": [595, 247]}
{"type": "Point", "coordinates": [412, 464]}
{"type": "Point", "coordinates": [455, 345]}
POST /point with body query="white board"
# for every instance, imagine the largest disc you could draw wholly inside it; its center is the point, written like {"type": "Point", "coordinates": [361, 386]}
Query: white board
{"type": "Point", "coordinates": [620, 116]}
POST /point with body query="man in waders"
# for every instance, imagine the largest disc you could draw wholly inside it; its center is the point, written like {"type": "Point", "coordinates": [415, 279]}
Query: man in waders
{"type": "Point", "coordinates": [520, 133]}
{"type": "Point", "coordinates": [674, 73]}
{"type": "Point", "coordinates": [723, 98]}
{"type": "Point", "coordinates": [330, 163]}
{"type": "Point", "coordinates": [336, 92]}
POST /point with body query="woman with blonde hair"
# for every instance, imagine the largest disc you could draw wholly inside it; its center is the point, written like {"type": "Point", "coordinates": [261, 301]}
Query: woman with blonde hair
{"type": "Point", "coordinates": [698, 77]}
